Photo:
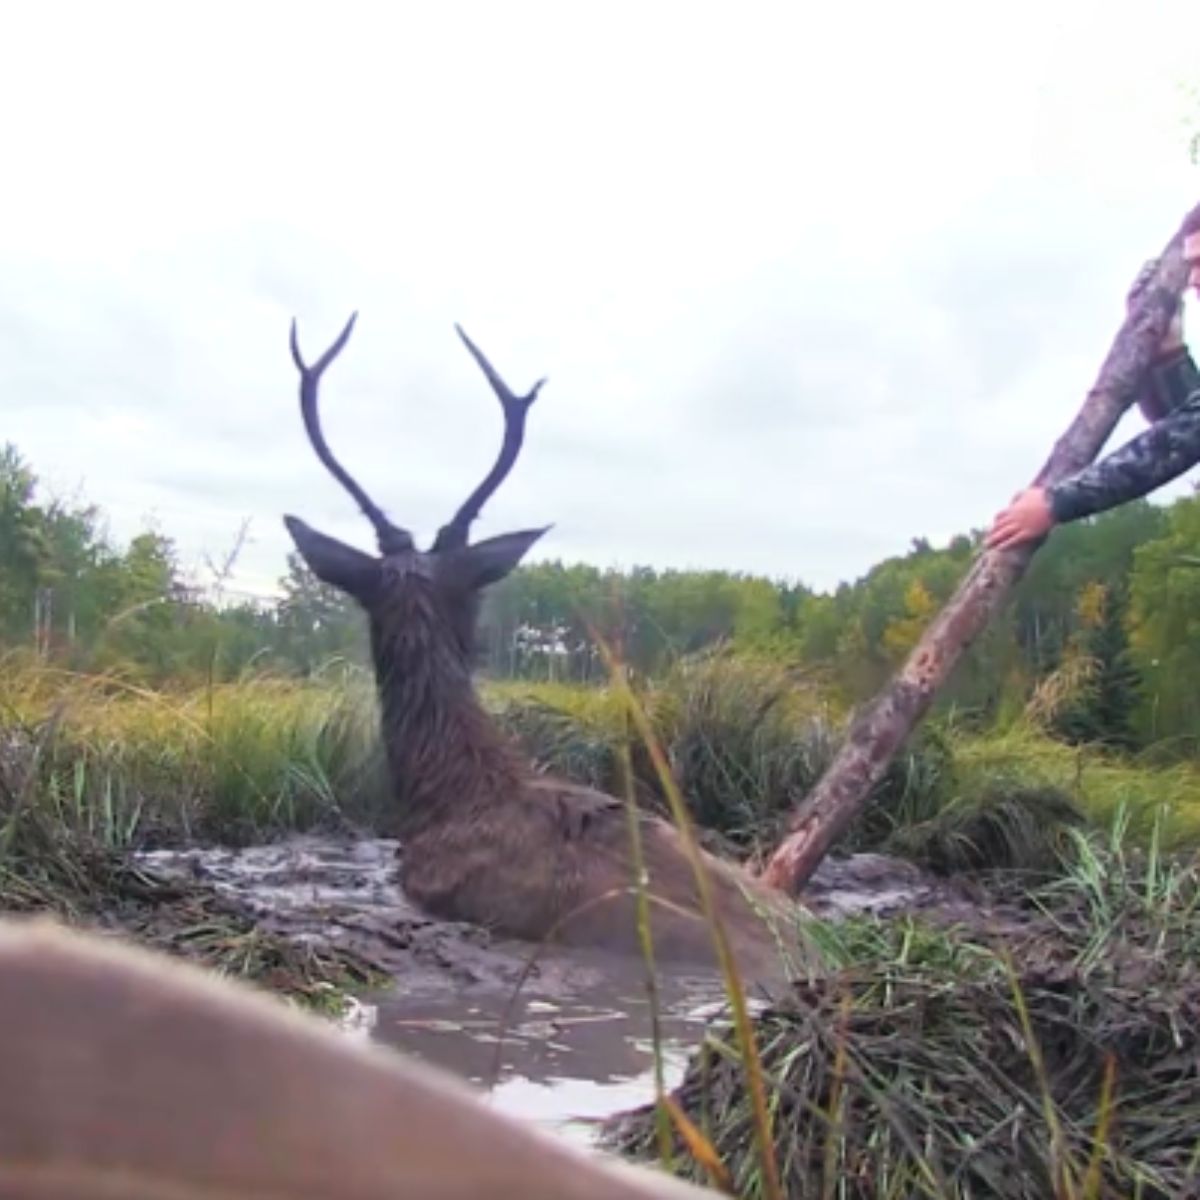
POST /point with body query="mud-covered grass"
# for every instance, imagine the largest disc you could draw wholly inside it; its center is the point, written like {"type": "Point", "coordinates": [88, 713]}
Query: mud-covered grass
{"type": "Point", "coordinates": [91, 887]}
{"type": "Point", "coordinates": [52, 866]}
{"type": "Point", "coordinates": [1047, 1047]}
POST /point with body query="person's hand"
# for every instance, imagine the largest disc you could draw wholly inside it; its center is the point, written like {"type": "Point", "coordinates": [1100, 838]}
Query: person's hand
{"type": "Point", "coordinates": [1173, 340]}
{"type": "Point", "coordinates": [1026, 519]}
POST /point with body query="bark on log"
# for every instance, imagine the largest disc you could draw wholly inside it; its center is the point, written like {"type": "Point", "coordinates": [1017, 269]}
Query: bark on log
{"type": "Point", "coordinates": [880, 728]}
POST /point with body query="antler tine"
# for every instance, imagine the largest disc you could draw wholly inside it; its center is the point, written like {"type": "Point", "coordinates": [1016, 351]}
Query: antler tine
{"type": "Point", "coordinates": [516, 408]}
{"type": "Point", "coordinates": [391, 538]}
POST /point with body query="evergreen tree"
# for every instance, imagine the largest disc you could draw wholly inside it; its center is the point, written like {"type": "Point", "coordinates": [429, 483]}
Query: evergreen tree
{"type": "Point", "coordinates": [1103, 713]}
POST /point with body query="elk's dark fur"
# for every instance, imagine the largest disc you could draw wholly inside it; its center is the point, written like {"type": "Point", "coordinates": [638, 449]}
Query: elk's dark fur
{"type": "Point", "coordinates": [486, 838]}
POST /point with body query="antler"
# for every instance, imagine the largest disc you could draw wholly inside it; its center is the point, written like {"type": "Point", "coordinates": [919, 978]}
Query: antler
{"type": "Point", "coordinates": [391, 538]}
{"type": "Point", "coordinates": [454, 533]}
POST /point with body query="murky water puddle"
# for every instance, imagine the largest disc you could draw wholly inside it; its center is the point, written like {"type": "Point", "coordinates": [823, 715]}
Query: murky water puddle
{"type": "Point", "coordinates": [562, 1055]}
{"type": "Point", "coordinates": [561, 1043]}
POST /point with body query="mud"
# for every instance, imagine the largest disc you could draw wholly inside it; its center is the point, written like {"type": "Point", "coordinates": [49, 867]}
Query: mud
{"type": "Point", "coordinates": [561, 1038]}
{"type": "Point", "coordinates": [344, 893]}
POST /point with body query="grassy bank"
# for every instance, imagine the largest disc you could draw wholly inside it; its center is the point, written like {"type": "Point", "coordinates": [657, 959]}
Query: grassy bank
{"type": "Point", "coordinates": [1050, 1054]}
{"type": "Point", "coordinates": [241, 761]}
{"type": "Point", "coordinates": [237, 762]}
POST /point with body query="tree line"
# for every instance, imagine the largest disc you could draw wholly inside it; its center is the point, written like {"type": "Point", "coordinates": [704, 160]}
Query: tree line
{"type": "Point", "coordinates": [1104, 629]}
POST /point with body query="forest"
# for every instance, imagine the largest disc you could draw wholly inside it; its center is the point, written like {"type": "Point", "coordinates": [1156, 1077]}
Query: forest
{"type": "Point", "coordinates": [1103, 629]}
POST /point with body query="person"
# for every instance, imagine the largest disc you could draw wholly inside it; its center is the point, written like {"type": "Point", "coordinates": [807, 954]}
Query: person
{"type": "Point", "coordinates": [1159, 454]}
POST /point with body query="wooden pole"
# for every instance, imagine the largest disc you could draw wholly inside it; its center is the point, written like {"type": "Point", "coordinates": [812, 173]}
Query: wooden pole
{"type": "Point", "coordinates": [879, 729]}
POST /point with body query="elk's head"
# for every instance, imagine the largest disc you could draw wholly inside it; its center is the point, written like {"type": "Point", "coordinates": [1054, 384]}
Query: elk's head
{"type": "Point", "coordinates": [443, 583]}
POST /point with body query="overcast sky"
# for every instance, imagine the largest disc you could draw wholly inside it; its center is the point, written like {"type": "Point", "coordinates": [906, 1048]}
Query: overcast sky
{"type": "Point", "coordinates": [808, 280]}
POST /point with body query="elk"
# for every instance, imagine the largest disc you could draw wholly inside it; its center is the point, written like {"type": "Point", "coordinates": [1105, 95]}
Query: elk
{"type": "Point", "coordinates": [133, 1076]}
{"type": "Point", "coordinates": [485, 837]}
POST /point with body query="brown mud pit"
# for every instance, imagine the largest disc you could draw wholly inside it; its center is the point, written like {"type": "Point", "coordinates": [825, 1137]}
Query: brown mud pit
{"type": "Point", "coordinates": [561, 1038]}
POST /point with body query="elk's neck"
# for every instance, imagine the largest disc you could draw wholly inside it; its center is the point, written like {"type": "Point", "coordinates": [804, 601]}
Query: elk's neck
{"type": "Point", "coordinates": [445, 754]}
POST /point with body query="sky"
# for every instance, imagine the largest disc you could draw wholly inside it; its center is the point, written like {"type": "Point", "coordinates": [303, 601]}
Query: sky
{"type": "Point", "coordinates": [807, 280]}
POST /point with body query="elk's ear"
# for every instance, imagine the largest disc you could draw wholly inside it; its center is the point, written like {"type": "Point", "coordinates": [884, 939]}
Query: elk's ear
{"type": "Point", "coordinates": [334, 562]}
{"type": "Point", "coordinates": [475, 567]}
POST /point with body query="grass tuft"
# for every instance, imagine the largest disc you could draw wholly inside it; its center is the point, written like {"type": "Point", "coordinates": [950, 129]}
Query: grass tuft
{"type": "Point", "coordinates": [235, 762]}
{"type": "Point", "coordinates": [925, 1063]}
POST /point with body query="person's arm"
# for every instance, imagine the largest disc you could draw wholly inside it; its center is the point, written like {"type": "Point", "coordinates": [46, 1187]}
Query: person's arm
{"type": "Point", "coordinates": [1156, 456]}
{"type": "Point", "coordinates": [1170, 400]}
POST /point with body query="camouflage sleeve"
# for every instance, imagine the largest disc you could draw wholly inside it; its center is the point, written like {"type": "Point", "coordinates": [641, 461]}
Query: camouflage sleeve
{"type": "Point", "coordinates": [1163, 452]}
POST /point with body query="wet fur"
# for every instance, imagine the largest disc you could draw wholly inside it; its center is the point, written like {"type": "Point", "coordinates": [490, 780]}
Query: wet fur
{"type": "Point", "coordinates": [489, 841]}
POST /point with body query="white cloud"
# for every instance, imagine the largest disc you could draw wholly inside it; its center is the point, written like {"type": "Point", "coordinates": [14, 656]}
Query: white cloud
{"type": "Point", "coordinates": [807, 281]}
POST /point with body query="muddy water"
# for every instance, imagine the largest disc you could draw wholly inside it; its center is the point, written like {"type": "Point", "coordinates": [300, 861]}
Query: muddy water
{"type": "Point", "coordinates": [571, 1045]}
{"type": "Point", "coordinates": [559, 1039]}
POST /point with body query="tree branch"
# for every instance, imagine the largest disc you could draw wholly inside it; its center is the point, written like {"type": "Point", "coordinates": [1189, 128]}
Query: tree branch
{"type": "Point", "coordinates": [879, 729]}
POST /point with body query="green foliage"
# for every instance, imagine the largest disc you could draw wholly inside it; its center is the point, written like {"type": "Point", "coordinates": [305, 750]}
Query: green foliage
{"type": "Point", "coordinates": [745, 742]}
{"type": "Point", "coordinates": [996, 827]}
{"type": "Point", "coordinates": [123, 764]}
{"type": "Point", "coordinates": [747, 739]}
{"type": "Point", "coordinates": [22, 542]}
{"type": "Point", "coordinates": [1120, 675]}
{"type": "Point", "coordinates": [1104, 711]}
{"type": "Point", "coordinates": [1165, 623]}
{"type": "Point", "coordinates": [316, 622]}
{"type": "Point", "coordinates": [1151, 795]}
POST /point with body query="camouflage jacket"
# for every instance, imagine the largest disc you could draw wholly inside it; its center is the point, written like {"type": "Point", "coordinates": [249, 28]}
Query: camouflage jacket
{"type": "Point", "coordinates": [1159, 454]}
